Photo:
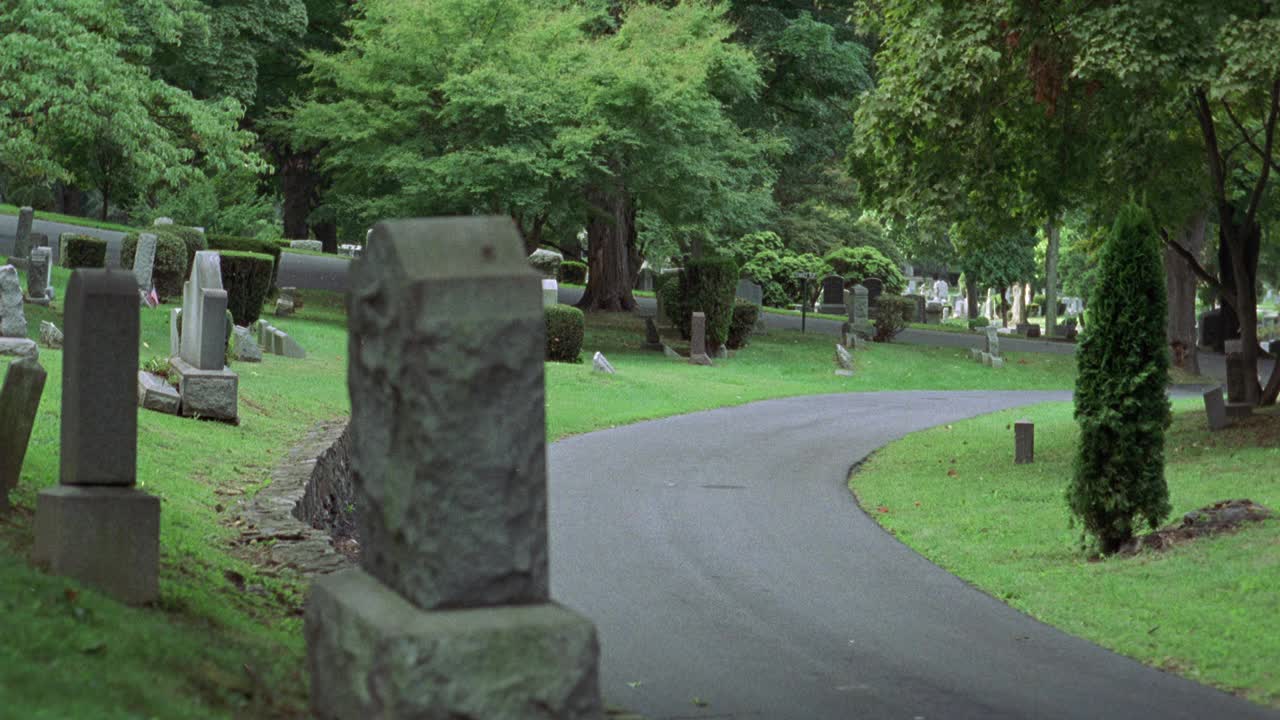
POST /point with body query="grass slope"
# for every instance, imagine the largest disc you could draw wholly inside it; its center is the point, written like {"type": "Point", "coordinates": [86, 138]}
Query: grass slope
{"type": "Point", "coordinates": [68, 219]}
{"type": "Point", "coordinates": [1208, 610]}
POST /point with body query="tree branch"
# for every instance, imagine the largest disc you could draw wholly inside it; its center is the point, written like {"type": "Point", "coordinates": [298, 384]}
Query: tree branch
{"type": "Point", "coordinates": [1205, 115]}
{"type": "Point", "coordinates": [1247, 139]}
{"type": "Point", "coordinates": [1270, 137]}
{"type": "Point", "coordinates": [1194, 263]}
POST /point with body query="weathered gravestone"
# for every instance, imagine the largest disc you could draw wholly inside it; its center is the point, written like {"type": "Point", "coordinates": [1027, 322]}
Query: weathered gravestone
{"type": "Point", "coordinates": [39, 273]}
{"type": "Point", "coordinates": [1212, 331]}
{"type": "Point", "coordinates": [698, 340]}
{"type": "Point", "coordinates": [754, 294]}
{"type": "Point", "coordinates": [874, 288]}
{"type": "Point", "coordinates": [992, 341]}
{"type": "Point", "coordinates": [22, 239]}
{"type": "Point", "coordinates": [1215, 409]}
{"type": "Point", "coordinates": [50, 335]}
{"type": "Point", "coordinates": [312, 245]}
{"type": "Point", "coordinates": [19, 400]}
{"type": "Point", "coordinates": [832, 295]}
{"type": "Point", "coordinates": [208, 387]}
{"type": "Point", "coordinates": [652, 341]}
{"type": "Point", "coordinates": [278, 342]}
{"type": "Point", "coordinates": [933, 313]}
{"type": "Point", "coordinates": [918, 311]}
{"type": "Point", "coordinates": [144, 260]}
{"type": "Point", "coordinates": [155, 393]}
{"type": "Point", "coordinates": [1024, 442]}
{"type": "Point", "coordinates": [546, 262]}
{"type": "Point", "coordinates": [550, 292]}
{"type": "Point", "coordinates": [96, 526]}
{"type": "Point", "coordinates": [450, 615]}
{"type": "Point", "coordinates": [844, 362]}
{"type": "Point", "coordinates": [13, 320]}
{"type": "Point", "coordinates": [600, 363]}
{"type": "Point", "coordinates": [860, 313]}
{"type": "Point", "coordinates": [1236, 375]}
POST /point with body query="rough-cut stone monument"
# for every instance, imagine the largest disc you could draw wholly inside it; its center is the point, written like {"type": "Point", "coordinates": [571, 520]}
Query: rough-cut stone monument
{"type": "Point", "coordinates": [860, 313]}
{"type": "Point", "coordinates": [39, 273]}
{"type": "Point", "coordinates": [19, 400]}
{"type": "Point", "coordinates": [450, 615]}
{"type": "Point", "coordinates": [13, 320]}
{"type": "Point", "coordinates": [698, 340]}
{"type": "Point", "coordinates": [1024, 442]}
{"type": "Point", "coordinates": [208, 387]}
{"type": "Point", "coordinates": [22, 239]}
{"type": "Point", "coordinates": [144, 260]}
{"type": "Point", "coordinates": [96, 526]}
{"type": "Point", "coordinates": [844, 362]}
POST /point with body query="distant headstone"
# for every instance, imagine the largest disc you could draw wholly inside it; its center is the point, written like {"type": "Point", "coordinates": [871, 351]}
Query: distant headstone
{"type": "Point", "coordinates": [844, 362]}
{"type": "Point", "coordinates": [155, 393]}
{"type": "Point", "coordinates": [1211, 330]}
{"type": "Point", "coordinates": [96, 526]}
{"type": "Point", "coordinates": [975, 354]}
{"type": "Point", "coordinates": [550, 292]}
{"type": "Point", "coordinates": [50, 335]}
{"type": "Point", "coordinates": [933, 313]}
{"type": "Point", "coordinates": [599, 363]}
{"type": "Point", "coordinates": [1215, 409]}
{"type": "Point", "coordinates": [645, 279]}
{"type": "Point", "coordinates": [39, 272]}
{"type": "Point", "coordinates": [1237, 376]}
{"type": "Point", "coordinates": [144, 260]}
{"type": "Point", "coordinates": [860, 313]}
{"type": "Point", "coordinates": [22, 239]}
{"type": "Point", "coordinates": [918, 311]}
{"type": "Point", "coordinates": [698, 340]}
{"type": "Point", "coordinates": [666, 350]}
{"type": "Point", "coordinates": [752, 292]}
{"type": "Point", "coordinates": [278, 342]}
{"type": "Point", "coordinates": [19, 401]}
{"type": "Point", "coordinates": [245, 346]}
{"type": "Point", "coordinates": [450, 614]}
{"type": "Point", "coordinates": [941, 292]}
{"type": "Point", "coordinates": [546, 262]}
{"type": "Point", "coordinates": [874, 289]}
{"type": "Point", "coordinates": [13, 320]}
{"type": "Point", "coordinates": [19, 347]}
{"type": "Point", "coordinates": [832, 295]}
{"type": "Point", "coordinates": [992, 340]}
{"type": "Point", "coordinates": [997, 362]}
{"type": "Point", "coordinates": [312, 245]}
{"type": "Point", "coordinates": [208, 387]}
{"type": "Point", "coordinates": [284, 306]}
{"type": "Point", "coordinates": [162, 221]}
{"type": "Point", "coordinates": [1024, 442]}
{"type": "Point", "coordinates": [986, 358]}
{"type": "Point", "coordinates": [651, 339]}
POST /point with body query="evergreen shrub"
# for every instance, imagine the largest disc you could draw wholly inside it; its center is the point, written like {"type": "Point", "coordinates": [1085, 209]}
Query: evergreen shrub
{"type": "Point", "coordinates": [572, 272]}
{"type": "Point", "coordinates": [857, 264]}
{"type": "Point", "coordinates": [674, 303]}
{"type": "Point", "coordinates": [84, 251]}
{"type": "Point", "coordinates": [890, 316]}
{"type": "Point", "coordinates": [710, 285]}
{"type": "Point", "coordinates": [745, 315]}
{"type": "Point", "coordinates": [565, 327]}
{"type": "Point", "coordinates": [1120, 401]}
{"type": "Point", "coordinates": [246, 277]}
{"type": "Point", "coordinates": [251, 245]}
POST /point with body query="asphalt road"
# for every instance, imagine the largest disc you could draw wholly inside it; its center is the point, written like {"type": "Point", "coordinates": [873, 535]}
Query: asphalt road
{"type": "Point", "coordinates": [723, 559]}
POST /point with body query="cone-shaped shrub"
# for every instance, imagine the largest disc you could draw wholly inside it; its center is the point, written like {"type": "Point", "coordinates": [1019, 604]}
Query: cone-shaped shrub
{"type": "Point", "coordinates": [1121, 405]}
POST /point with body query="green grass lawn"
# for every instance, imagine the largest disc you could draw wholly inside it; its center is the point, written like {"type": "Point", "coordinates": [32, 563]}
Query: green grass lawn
{"type": "Point", "coordinates": [68, 219]}
{"type": "Point", "coordinates": [1208, 610]}
{"type": "Point", "coordinates": [316, 253]}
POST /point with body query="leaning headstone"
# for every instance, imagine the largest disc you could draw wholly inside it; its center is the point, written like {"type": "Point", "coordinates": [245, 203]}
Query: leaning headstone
{"type": "Point", "coordinates": [1215, 409]}
{"type": "Point", "coordinates": [1024, 442]}
{"type": "Point", "coordinates": [666, 350]}
{"type": "Point", "coordinates": [96, 526]}
{"type": "Point", "coordinates": [155, 393]}
{"type": "Point", "coordinates": [860, 313]}
{"type": "Point", "coordinates": [245, 347]}
{"type": "Point", "coordinates": [50, 335]}
{"type": "Point", "coordinates": [698, 340]}
{"type": "Point", "coordinates": [22, 240]}
{"type": "Point", "coordinates": [19, 401]}
{"type": "Point", "coordinates": [38, 275]}
{"type": "Point", "coordinates": [550, 292]}
{"type": "Point", "coordinates": [19, 347]}
{"type": "Point", "coordinates": [144, 260]}
{"type": "Point", "coordinates": [208, 387]}
{"type": "Point", "coordinates": [651, 339]}
{"type": "Point", "coordinates": [599, 363]}
{"type": "Point", "coordinates": [13, 320]}
{"type": "Point", "coordinates": [450, 614]}
{"type": "Point", "coordinates": [844, 362]}
{"type": "Point", "coordinates": [832, 295]}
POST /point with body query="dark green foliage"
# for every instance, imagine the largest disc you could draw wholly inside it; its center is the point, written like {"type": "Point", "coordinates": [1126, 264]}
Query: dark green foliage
{"type": "Point", "coordinates": [1121, 405]}
{"type": "Point", "coordinates": [978, 322]}
{"type": "Point", "coordinates": [247, 279]}
{"type": "Point", "coordinates": [890, 316]}
{"type": "Point", "coordinates": [84, 251]}
{"type": "Point", "coordinates": [776, 272]}
{"type": "Point", "coordinates": [565, 327]}
{"type": "Point", "coordinates": [191, 237]}
{"type": "Point", "coordinates": [857, 264]}
{"type": "Point", "coordinates": [674, 302]}
{"type": "Point", "coordinates": [710, 286]}
{"type": "Point", "coordinates": [252, 245]}
{"type": "Point", "coordinates": [572, 272]}
{"type": "Point", "coordinates": [171, 264]}
{"type": "Point", "coordinates": [745, 315]}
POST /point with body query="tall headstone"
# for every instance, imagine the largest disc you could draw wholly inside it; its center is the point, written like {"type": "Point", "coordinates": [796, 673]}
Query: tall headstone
{"type": "Point", "coordinates": [860, 313]}
{"type": "Point", "coordinates": [992, 341]}
{"type": "Point", "coordinates": [144, 260]}
{"type": "Point", "coordinates": [13, 320]}
{"type": "Point", "coordinates": [208, 387]}
{"type": "Point", "coordinates": [96, 526]}
{"type": "Point", "coordinates": [450, 614]}
{"type": "Point", "coordinates": [1024, 442]}
{"type": "Point", "coordinates": [19, 400]}
{"type": "Point", "coordinates": [22, 239]}
{"type": "Point", "coordinates": [1215, 409]}
{"type": "Point", "coordinates": [875, 287]}
{"type": "Point", "coordinates": [933, 313]}
{"type": "Point", "coordinates": [832, 295]}
{"type": "Point", "coordinates": [39, 272]}
{"type": "Point", "coordinates": [698, 340]}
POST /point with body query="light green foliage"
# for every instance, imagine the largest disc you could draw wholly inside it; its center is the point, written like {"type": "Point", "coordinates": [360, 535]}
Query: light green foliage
{"type": "Point", "coordinates": [856, 264]}
{"type": "Point", "coordinates": [82, 107]}
{"type": "Point", "coordinates": [776, 273]}
{"type": "Point", "coordinates": [1001, 262]}
{"type": "Point", "coordinates": [1120, 392]}
{"type": "Point", "coordinates": [227, 203]}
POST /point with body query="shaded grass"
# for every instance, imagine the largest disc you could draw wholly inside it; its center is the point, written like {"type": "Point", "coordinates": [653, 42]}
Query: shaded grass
{"type": "Point", "coordinates": [1208, 610]}
{"type": "Point", "coordinates": [68, 219]}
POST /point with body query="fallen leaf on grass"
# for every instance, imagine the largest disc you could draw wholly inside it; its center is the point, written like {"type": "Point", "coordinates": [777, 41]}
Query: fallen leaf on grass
{"type": "Point", "coordinates": [700, 702]}
{"type": "Point", "coordinates": [951, 472]}
{"type": "Point", "coordinates": [71, 594]}
{"type": "Point", "coordinates": [882, 509]}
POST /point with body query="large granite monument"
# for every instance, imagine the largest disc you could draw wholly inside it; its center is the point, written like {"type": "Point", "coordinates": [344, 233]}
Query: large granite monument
{"type": "Point", "coordinates": [208, 387]}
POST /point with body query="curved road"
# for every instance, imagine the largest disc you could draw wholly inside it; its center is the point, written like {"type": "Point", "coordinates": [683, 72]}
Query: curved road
{"type": "Point", "coordinates": [723, 558]}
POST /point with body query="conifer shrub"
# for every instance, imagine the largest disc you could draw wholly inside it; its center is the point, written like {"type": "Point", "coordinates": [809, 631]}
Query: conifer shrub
{"type": "Point", "coordinates": [745, 315]}
{"type": "Point", "coordinates": [565, 328]}
{"type": "Point", "coordinates": [710, 285]}
{"type": "Point", "coordinates": [674, 303]}
{"type": "Point", "coordinates": [1120, 401]}
{"type": "Point", "coordinates": [252, 245]}
{"type": "Point", "coordinates": [246, 277]}
{"type": "Point", "coordinates": [572, 272]}
{"type": "Point", "coordinates": [84, 251]}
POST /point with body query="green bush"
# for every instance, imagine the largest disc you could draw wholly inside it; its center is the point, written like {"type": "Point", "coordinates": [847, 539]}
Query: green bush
{"type": "Point", "coordinates": [710, 285]}
{"type": "Point", "coordinates": [674, 303]}
{"type": "Point", "coordinates": [84, 251]}
{"type": "Point", "coordinates": [171, 263]}
{"type": "Point", "coordinates": [565, 328]}
{"type": "Point", "coordinates": [775, 272]}
{"type": "Point", "coordinates": [192, 238]}
{"type": "Point", "coordinates": [745, 315]}
{"type": "Point", "coordinates": [978, 322]}
{"type": "Point", "coordinates": [246, 277]}
{"type": "Point", "coordinates": [890, 316]}
{"type": "Point", "coordinates": [572, 272]}
{"type": "Point", "coordinates": [1121, 404]}
{"type": "Point", "coordinates": [857, 264]}
{"type": "Point", "coordinates": [250, 245]}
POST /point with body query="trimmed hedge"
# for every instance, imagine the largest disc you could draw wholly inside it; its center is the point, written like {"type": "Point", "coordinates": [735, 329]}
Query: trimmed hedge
{"type": "Point", "coordinates": [171, 264]}
{"type": "Point", "coordinates": [978, 322]}
{"type": "Point", "coordinates": [84, 251]}
{"type": "Point", "coordinates": [890, 316]}
{"type": "Point", "coordinates": [745, 315]}
{"type": "Point", "coordinates": [251, 245]}
{"type": "Point", "coordinates": [572, 272]}
{"type": "Point", "coordinates": [246, 277]}
{"type": "Point", "coordinates": [565, 327]}
{"type": "Point", "coordinates": [709, 286]}
{"type": "Point", "coordinates": [192, 238]}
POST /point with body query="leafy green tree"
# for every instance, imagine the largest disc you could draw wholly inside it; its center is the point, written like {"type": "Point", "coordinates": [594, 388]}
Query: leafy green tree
{"type": "Point", "coordinates": [857, 264]}
{"type": "Point", "coordinates": [997, 263]}
{"type": "Point", "coordinates": [1121, 405]}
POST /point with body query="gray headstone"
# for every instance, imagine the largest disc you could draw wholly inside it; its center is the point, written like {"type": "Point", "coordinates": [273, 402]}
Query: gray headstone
{"type": "Point", "coordinates": [50, 335]}
{"type": "Point", "coordinates": [245, 346]}
{"type": "Point", "coordinates": [992, 340]}
{"type": "Point", "coordinates": [644, 279]}
{"type": "Point", "coordinates": [860, 312]}
{"type": "Point", "coordinates": [750, 291]}
{"type": "Point", "coordinates": [652, 340]}
{"type": "Point", "coordinates": [932, 312]}
{"type": "Point", "coordinates": [997, 362]}
{"type": "Point", "coordinates": [204, 310]}
{"type": "Point", "coordinates": [13, 320]}
{"type": "Point", "coordinates": [599, 363]}
{"type": "Point", "coordinates": [1215, 409]}
{"type": "Point", "coordinates": [144, 260]}
{"type": "Point", "coordinates": [19, 401]}
{"type": "Point", "coordinates": [832, 295]}
{"type": "Point", "coordinates": [175, 332]}
{"type": "Point", "coordinates": [1024, 442]}
{"type": "Point", "coordinates": [163, 221]}
{"type": "Point", "coordinates": [698, 340]}
{"type": "Point", "coordinates": [155, 393]}
{"type": "Point", "coordinates": [546, 262]}
{"type": "Point", "coordinates": [22, 239]}
{"type": "Point", "coordinates": [284, 306]}
{"type": "Point", "coordinates": [99, 377]}
{"type": "Point", "coordinates": [19, 347]}
{"type": "Point", "coordinates": [1237, 392]}
{"type": "Point", "coordinates": [844, 361]}
{"type": "Point", "coordinates": [38, 275]}
{"type": "Point", "coordinates": [313, 245]}
{"type": "Point", "coordinates": [874, 288]}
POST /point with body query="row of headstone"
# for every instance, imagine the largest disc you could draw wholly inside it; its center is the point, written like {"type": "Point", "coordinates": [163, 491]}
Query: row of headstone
{"type": "Point", "coordinates": [349, 250]}
{"type": "Point", "coordinates": [989, 354]}
{"type": "Point", "coordinates": [278, 342]}
{"type": "Point", "coordinates": [463, 597]}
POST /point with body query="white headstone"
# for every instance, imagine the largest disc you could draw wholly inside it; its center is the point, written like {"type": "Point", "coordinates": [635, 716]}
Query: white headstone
{"type": "Point", "coordinates": [204, 308]}
{"type": "Point", "coordinates": [550, 292]}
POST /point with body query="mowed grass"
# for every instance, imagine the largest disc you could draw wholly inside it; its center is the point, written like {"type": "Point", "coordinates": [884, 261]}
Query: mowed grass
{"type": "Point", "coordinates": [1208, 610]}
{"type": "Point", "coordinates": [68, 219]}
{"type": "Point", "coordinates": [225, 639]}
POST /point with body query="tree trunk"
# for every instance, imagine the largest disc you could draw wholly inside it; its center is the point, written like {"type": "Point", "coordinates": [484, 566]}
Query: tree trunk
{"type": "Point", "coordinates": [1181, 282]}
{"type": "Point", "coordinates": [327, 234]}
{"type": "Point", "coordinates": [1052, 232]}
{"type": "Point", "coordinates": [971, 292]}
{"type": "Point", "coordinates": [106, 199]}
{"type": "Point", "coordinates": [1019, 304]}
{"type": "Point", "coordinates": [298, 184]}
{"type": "Point", "coordinates": [611, 230]}
{"type": "Point", "coordinates": [1242, 259]}
{"type": "Point", "coordinates": [68, 200]}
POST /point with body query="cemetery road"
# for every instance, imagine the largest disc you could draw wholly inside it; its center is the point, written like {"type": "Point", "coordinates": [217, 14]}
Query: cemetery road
{"type": "Point", "coordinates": [731, 574]}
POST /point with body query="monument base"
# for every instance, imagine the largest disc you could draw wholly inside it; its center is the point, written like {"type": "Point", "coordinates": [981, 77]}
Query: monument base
{"type": "Point", "coordinates": [36, 300]}
{"type": "Point", "coordinates": [207, 393]}
{"type": "Point", "coordinates": [831, 309]}
{"type": "Point", "coordinates": [864, 329]}
{"type": "Point", "coordinates": [104, 537]}
{"type": "Point", "coordinates": [371, 653]}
